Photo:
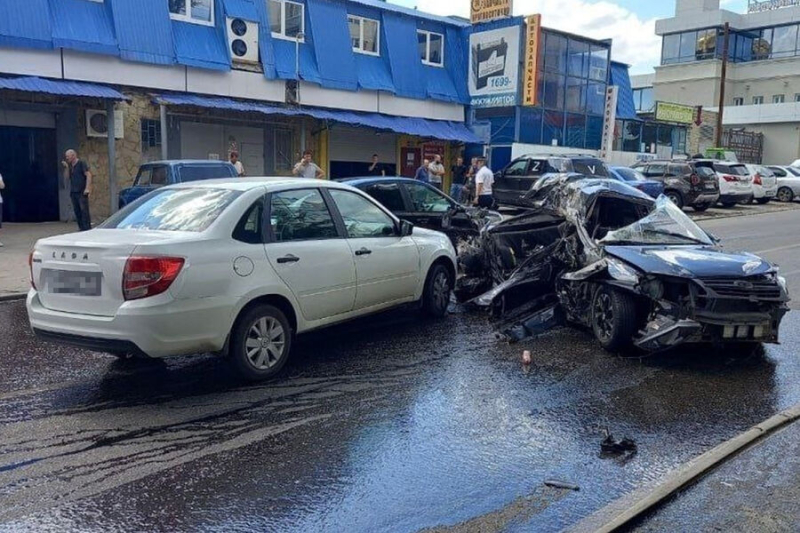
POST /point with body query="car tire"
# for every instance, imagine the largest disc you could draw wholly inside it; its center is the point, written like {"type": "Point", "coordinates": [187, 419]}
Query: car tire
{"type": "Point", "coordinates": [701, 208]}
{"type": "Point", "coordinates": [261, 342]}
{"type": "Point", "coordinates": [785, 194]}
{"type": "Point", "coordinates": [438, 287]}
{"type": "Point", "coordinates": [613, 319]}
{"type": "Point", "coordinates": [676, 197]}
{"type": "Point", "coordinates": [763, 201]}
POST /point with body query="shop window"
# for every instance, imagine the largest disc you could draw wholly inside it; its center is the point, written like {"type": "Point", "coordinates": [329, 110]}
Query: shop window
{"type": "Point", "coordinates": [530, 125]}
{"type": "Point", "coordinates": [553, 97]}
{"type": "Point", "coordinates": [596, 98]}
{"type": "Point", "coordinates": [555, 53]}
{"type": "Point", "coordinates": [197, 11]}
{"type": "Point", "coordinates": [578, 64]}
{"type": "Point", "coordinates": [364, 35]}
{"type": "Point", "coordinates": [632, 136]}
{"type": "Point", "coordinates": [598, 69]}
{"type": "Point", "coordinates": [287, 19]}
{"type": "Point", "coordinates": [575, 131]}
{"type": "Point", "coordinates": [649, 136]}
{"type": "Point", "coordinates": [778, 98]}
{"type": "Point", "coordinates": [553, 128]}
{"type": "Point", "coordinates": [151, 133]}
{"type": "Point", "coordinates": [431, 48]}
{"type": "Point", "coordinates": [576, 95]}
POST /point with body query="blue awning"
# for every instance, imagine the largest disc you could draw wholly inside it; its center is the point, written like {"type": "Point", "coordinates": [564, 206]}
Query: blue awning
{"type": "Point", "coordinates": [437, 129]}
{"type": "Point", "coordinates": [61, 88]}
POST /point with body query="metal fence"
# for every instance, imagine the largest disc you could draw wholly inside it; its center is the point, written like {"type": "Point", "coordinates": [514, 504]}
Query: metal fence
{"type": "Point", "coordinates": [747, 145]}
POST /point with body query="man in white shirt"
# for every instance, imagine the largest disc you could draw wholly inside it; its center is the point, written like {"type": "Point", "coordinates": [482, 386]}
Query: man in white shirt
{"type": "Point", "coordinates": [436, 172]}
{"type": "Point", "coordinates": [484, 180]}
{"type": "Point", "coordinates": [237, 164]}
{"type": "Point", "coordinates": [306, 168]}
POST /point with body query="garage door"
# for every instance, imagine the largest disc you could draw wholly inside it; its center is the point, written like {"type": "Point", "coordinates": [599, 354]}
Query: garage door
{"type": "Point", "coordinates": [214, 141]}
{"type": "Point", "coordinates": [350, 151]}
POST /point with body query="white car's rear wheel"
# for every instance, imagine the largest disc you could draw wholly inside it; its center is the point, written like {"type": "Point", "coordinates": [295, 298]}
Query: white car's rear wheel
{"type": "Point", "coordinates": [261, 343]}
{"type": "Point", "coordinates": [438, 287]}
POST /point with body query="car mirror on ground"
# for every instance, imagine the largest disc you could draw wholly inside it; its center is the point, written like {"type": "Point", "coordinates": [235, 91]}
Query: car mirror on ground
{"type": "Point", "coordinates": [406, 228]}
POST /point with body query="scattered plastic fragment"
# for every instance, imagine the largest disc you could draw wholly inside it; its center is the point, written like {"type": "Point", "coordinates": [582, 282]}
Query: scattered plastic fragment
{"type": "Point", "coordinates": [561, 484]}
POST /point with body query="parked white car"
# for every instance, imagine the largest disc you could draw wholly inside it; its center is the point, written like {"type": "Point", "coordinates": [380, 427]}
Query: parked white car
{"type": "Point", "coordinates": [237, 267]}
{"type": "Point", "coordinates": [788, 182]}
{"type": "Point", "coordinates": [765, 184]}
{"type": "Point", "coordinates": [735, 183]}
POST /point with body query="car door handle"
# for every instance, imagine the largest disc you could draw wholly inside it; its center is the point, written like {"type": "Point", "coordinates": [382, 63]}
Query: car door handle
{"type": "Point", "coordinates": [288, 259]}
{"type": "Point", "coordinates": [363, 251]}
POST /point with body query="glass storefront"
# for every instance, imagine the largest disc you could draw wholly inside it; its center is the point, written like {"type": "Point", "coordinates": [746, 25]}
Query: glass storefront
{"type": "Point", "coordinates": [650, 137]}
{"type": "Point", "coordinates": [743, 46]}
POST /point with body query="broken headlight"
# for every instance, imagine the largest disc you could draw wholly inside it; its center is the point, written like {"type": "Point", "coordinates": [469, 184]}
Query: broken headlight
{"type": "Point", "coordinates": [622, 272]}
{"type": "Point", "coordinates": [783, 284]}
{"type": "Point", "coordinates": [652, 288]}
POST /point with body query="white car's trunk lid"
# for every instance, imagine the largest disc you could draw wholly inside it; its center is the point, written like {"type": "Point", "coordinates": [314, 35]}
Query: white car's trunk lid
{"type": "Point", "coordinates": [82, 272]}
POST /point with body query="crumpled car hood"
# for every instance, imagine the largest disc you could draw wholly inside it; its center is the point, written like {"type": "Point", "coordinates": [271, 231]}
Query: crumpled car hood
{"type": "Point", "coordinates": [690, 261]}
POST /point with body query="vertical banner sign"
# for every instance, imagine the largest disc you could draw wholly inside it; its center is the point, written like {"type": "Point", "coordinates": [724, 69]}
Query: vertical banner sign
{"type": "Point", "coordinates": [609, 121]}
{"type": "Point", "coordinates": [486, 10]}
{"type": "Point", "coordinates": [530, 90]}
{"type": "Point", "coordinates": [494, 67]}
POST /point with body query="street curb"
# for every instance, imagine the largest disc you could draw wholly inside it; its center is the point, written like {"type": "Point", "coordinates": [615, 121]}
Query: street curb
{"type": "Point", "coordinates": [622, 511]}
{"type": "Point", "coordinates": [13, 297]}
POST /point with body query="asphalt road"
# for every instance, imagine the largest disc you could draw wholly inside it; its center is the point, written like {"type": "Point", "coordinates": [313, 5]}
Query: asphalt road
{"type": "Point", "coordinates": [391, 424]}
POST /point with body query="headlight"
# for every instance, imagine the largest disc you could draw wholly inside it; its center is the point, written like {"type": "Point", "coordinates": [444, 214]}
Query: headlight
{"type": "Point", "coordinates": [622, 272]}
{"type": "Point", "coordinates": [784, 285]}
{"type": "Point", "coordinates": [653, 288]}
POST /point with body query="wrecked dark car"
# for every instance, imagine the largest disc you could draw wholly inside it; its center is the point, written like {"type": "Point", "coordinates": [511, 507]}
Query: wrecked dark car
{"type": "Point", "coordinates": [638, 272]}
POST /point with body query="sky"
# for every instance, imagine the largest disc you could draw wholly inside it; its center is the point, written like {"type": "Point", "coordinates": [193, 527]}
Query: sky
{"type": "Point", "coordinates": [630, 23]}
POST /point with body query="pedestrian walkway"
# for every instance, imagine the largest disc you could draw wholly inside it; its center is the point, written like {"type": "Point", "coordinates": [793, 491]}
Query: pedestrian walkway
{"type": "Point", "coordinates": [18, 240]}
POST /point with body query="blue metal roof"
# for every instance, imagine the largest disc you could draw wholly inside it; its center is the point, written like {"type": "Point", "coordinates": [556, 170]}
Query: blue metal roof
{"type": "Point", "coordinates": [437, 129]}
{"type": "Point", "coordinates": [144, 31]}
{"type": "Point", "coordinates": [25, 23]}
{"type": "Point", "coordinates": [626, 109]}
{"type": "Point", "coordinates": [244, 9]}
{"type": "Point", "coordinates": [82, 25]}
{"type": "Point", "coordinates": [60, 87]}
{"type": "Point", "coordinates": [386, 6]}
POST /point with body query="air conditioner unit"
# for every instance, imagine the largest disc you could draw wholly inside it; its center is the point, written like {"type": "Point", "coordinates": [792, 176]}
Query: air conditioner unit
{"type": "Point", "coordinates": [97, 123]}
{"type": "Point", "coordinates": [243, 40]}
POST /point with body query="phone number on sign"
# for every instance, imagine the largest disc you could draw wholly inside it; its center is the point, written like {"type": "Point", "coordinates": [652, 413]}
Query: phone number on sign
{"type": "Point", "coordinates": [500, 100]}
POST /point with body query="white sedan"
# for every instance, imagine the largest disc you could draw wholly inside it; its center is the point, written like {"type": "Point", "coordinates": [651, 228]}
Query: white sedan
{"type": "Point", "coordinates": [237, 267]}
{"type": "Point", "coordinates": [788, 182]}
{"type": "Point", "coordinates": [765, 183]}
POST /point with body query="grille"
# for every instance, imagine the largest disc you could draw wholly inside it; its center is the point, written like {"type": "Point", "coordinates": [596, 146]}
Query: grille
{"type": "Point", "coordinates": [761, 288]}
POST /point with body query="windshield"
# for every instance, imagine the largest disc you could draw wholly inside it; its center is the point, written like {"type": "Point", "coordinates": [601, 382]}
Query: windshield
{"type": "Point", "coordinates": [173, 210]}
{"type": "Point", "coordinates": [667, 224]}
{"type": "Point", "coordinates": [629, 174]}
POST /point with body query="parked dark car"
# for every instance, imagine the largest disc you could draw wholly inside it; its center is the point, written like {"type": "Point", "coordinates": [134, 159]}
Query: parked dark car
{"type": "Point", "coordinates": [637, 272]}
{"type": "Point", "coordinates": [151, 176]}
{"type": "Point", "coordinates": [686, 183]}
{"type": "Point", "coordinates": [636, 179]}
{"type": "Point", "coordinates": [425, 206]}
{"type": "Point", "coordinates": [513, 182]}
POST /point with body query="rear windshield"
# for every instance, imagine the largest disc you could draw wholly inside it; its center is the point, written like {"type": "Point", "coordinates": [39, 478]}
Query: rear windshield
{"type": "Point", "coordinates": [736, 170]}
{"type": "Point", "coordinates": [173, 210]}
{"type": "Point", "coordinates": [590, 167]}
{"type": "Point", "coordinates": [706, 172]}
{"type": "Point", "coordinates": [629, 174]}
{"type": "Point", "coordinates": [205, 172]}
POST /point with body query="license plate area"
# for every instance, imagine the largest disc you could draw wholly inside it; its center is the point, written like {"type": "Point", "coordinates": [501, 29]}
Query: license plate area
{"type": "Point", "coordinates": [73, 283]}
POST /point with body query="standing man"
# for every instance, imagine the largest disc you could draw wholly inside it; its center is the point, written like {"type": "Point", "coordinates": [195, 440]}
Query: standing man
{"type": "Point", "coordinates": [376, 169]}
{"type": "Point", "coordinates": [484, 180]}
{"type": "Point", "coordinates": [2, 186]}
{"type": "Point", "coordinates": [306, 168]}
{"type": "Point", "coordinates": [423, 174]}
{"type": "Point", "coordinates": [436, 171]}
{"type": "Point", "coordinates": [470, 187]}
{"type": "Point", "coordinates": [460, 171]}
{"type": "Point", "coordinates": [238, 164]}
{"type": "Point", "coordinates": [79, 178]}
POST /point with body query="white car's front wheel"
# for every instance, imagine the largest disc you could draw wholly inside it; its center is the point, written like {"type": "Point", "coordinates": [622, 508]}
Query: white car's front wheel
{"type": "Point", "coordinates": [261, 343]}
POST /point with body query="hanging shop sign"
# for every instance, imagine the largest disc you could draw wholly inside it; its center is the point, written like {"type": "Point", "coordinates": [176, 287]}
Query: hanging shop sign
{"type": "Point", "coordinates": [494, 72]}
{"type": "Point", "coordinates": [533, 38]}
{"type": "Point", "coordinates": [668, 112]}
{"type": "Point", "coordinates": [609, 121]}
{"type": "Point", "coordinates": [486, 10]}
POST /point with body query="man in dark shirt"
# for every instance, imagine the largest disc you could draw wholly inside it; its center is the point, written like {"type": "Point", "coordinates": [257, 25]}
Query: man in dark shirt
{"type": "Point", "coordinates": [460, 171]}
{"type": "Point", "coordinates": [79, 180]}
{"type": "Point", "coordinates": [376, 169]}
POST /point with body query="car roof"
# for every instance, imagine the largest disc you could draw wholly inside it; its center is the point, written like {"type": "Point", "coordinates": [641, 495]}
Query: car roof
{"type": "Point", "coordinates": [248, 184]}
{"type": "Point", "coordinates": [562, 156]}
{"type": "Point", "coordinates": [362, 180]}
{"type": "Point", "coordinates": [173, 162]}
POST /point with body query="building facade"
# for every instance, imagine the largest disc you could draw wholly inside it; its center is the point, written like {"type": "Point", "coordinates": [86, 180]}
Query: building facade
{"type": "Point", "coordinates": [131, 81]}
{"type": "Point", "coordinates": [762, 88]}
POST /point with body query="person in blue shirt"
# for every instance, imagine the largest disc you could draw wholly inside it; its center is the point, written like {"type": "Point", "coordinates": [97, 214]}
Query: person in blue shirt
{"type": "Point", "coordinates": [423, 174]}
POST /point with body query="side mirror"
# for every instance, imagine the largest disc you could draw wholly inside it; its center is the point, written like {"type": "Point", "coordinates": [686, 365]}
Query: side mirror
{"type": "Point", "coordinates": [406, 228]}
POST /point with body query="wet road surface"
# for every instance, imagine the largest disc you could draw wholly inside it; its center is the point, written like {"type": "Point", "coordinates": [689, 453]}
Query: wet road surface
{"type": "Point", "coordinates": [395, 424]}
{"type": "Point", "coordinates": [391, 424]}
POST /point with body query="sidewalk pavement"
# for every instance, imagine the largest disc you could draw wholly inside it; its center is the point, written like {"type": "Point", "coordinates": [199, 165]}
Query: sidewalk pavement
{"type": "Point", "coordinates": [18, 240]}
{"type": "Point", "coordinates": [758, 490]}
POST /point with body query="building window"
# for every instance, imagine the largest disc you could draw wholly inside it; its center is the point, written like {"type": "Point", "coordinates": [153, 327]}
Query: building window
{"type": "Point", "coordinates": [644, 100]}
{"type": "Point", "coordinates": [365, 35]}
{"type": "Point", "coordinates": [287, 19]}
{"type": "Point", "coordinates": [706, 44]}
{"type": "Point", "coordinates": [151, 133]}
{"type": "Point", "coordinates": [758, 100]}
{"type": "Point", "coordinates": [197, 11]}
{"type": "Point", "coordinates": [797, 97]}
{"type": "Point", "coordinates": [738, 100]}
{"type": "Point", "coordinates": [431, 48]}
{"type": "Point", "coordinates": [778, 99]}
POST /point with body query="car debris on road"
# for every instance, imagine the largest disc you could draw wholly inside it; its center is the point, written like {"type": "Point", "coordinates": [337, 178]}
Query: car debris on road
{"type": "Point", "coordinates": [636, 271]}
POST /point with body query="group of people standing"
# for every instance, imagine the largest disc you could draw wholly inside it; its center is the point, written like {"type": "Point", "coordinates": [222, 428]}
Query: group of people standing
{"type": "Point", "coordinates": [472, 184]}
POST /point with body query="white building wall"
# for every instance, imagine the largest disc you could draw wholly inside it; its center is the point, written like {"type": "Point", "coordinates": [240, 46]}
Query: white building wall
{"type": "Point", "coordinates": [235, 83]}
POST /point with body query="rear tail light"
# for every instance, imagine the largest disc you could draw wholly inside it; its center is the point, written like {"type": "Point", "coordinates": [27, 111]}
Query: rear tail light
{"type": "Point", "coordinates": [757, 179]}
{"type": "Point", "coordinates": [30, 267]}
{"type": "Point", "coordinates": [729, 178]}
{"type": "Point", "coordinates": [148, 276]}
{"type": "Point", "coordinates": [695, 180]}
